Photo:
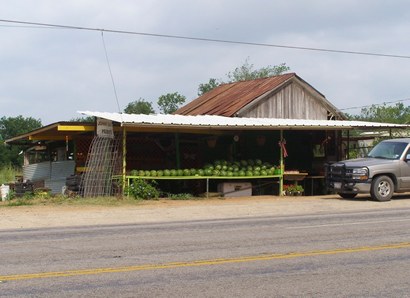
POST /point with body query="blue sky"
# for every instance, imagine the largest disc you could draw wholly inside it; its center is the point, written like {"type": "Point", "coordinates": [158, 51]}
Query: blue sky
{"type": "Point", "coordinates": [49, 74]}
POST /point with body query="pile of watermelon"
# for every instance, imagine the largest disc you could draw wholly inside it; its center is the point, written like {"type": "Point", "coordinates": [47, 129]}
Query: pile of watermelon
{"type": "Point", "coordinates": [220, 168]}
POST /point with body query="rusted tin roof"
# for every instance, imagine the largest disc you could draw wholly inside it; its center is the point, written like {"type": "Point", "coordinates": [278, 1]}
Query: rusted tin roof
{"type": "Point", "coordinates": [228, 99]}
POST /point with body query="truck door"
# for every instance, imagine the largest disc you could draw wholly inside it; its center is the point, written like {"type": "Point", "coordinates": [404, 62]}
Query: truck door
{"type": "Point", "coordinates": [405, 170]}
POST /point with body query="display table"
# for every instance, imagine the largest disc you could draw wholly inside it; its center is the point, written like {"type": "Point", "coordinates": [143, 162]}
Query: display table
{"type": "Point", "coordinates": [294, 176]}
{"type": "Point", "coordinates": [312, 180]}
{"type": "Point", "coordinates": [207, 178]}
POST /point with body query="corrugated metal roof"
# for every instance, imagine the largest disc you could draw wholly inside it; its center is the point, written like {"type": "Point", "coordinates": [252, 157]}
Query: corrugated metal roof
{"type": "Point", "coordinates": [51, 130]}
{"type": "Point", "coordinates": [228, 99]}
{"type": "Point", "coordinates": [222, 122]}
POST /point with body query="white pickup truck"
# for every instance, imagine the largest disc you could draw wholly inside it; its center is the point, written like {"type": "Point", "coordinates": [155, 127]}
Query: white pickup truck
{"type": "Point", "coordinates": [384, 171]}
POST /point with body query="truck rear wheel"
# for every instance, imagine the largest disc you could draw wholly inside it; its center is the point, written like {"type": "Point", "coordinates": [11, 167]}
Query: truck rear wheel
{"type": "Point", "coordinates": [382, 189]}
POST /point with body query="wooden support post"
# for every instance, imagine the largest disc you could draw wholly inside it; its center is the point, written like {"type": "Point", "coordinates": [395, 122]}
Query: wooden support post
{"type": "Point", "coordinates": [177, 151]}
{"type": "Point", "coordinates": [124, 159]}
{"type": "Point", "coordinates": [282, 165]}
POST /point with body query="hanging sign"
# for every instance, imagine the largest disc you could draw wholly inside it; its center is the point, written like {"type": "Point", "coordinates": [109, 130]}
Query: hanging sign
{"type": "Point", "coordinates": [105, 128]}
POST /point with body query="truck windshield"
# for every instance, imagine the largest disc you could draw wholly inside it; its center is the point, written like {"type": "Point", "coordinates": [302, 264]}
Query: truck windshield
{"type": "Point", "coordinates": [388, 150]}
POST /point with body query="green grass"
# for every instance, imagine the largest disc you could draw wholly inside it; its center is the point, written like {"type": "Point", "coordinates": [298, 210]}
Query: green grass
{"type": "Point", "coordinates": [59, 200]}
{"type": "Point", "coordinates": [8, 174]}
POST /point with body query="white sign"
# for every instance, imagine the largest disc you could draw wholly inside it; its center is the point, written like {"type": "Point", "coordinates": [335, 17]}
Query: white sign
{"type": "Point", "coordinates": [104, 128]}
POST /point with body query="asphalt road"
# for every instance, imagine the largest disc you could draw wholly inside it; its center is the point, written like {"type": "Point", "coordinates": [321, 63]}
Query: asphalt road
{"type": "Point", "coordinates": [358, 254]}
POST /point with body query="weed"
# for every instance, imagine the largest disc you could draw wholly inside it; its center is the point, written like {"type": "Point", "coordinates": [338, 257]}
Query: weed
{"type": "Point", "coordinates": [143, 189]}
{"type": "Point", "coordinates": [8, 174]}
{"type": "Point", "coordinates": [180, 196]}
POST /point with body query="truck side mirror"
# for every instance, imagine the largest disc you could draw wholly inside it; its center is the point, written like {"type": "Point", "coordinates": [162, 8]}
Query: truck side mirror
{"type": "Point", "coordinates": [407, 157]}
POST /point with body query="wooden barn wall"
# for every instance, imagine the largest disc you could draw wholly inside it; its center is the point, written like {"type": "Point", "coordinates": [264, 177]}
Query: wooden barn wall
{"type": "Point", "coordinates": [292, 102]}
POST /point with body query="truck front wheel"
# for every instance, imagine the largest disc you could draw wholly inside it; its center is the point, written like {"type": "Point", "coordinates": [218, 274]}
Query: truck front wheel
{"type": "Point", "coordinates": [382, 189]}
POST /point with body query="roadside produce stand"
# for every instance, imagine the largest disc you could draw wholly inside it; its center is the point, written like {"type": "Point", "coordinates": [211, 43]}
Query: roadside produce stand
{"type": "Point", "coordinates": [105, 155]}
{"type": "Point", "coordinates": [219, 125]}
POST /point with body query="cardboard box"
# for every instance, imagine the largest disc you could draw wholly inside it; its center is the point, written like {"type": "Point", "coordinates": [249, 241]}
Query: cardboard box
{"type": "Point", "coordinates": [235, 189]}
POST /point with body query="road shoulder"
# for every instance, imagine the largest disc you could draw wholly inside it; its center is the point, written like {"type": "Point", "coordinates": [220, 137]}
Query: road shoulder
{"type": "Point", "coordinates": [26, 217]}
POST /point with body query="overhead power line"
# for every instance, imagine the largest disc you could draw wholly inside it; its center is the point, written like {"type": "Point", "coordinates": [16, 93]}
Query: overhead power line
{"type": "Point", "coordinates": [376, 104]}
{"type": "Point", "coordinates": [109, 69]}
{"type": "Point", "coordinates": [206, 39]}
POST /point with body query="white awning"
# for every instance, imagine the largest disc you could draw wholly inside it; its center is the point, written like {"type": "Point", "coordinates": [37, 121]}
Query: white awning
{"type": "Point", "coordinates": [232, 123]}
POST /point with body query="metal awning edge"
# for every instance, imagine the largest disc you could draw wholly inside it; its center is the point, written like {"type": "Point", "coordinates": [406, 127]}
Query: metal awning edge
{"type": "Point", "coordinates": [213, 121]}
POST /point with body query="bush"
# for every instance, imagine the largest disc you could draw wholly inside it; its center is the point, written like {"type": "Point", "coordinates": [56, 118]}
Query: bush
{"type": "Point", "coordinates": [180, 196]}
{"type": "Point", "coordinates": [143, 189]}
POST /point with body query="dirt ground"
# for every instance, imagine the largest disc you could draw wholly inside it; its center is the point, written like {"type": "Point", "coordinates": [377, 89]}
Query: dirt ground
{"type": "Point", "coordinates": [24, 217]}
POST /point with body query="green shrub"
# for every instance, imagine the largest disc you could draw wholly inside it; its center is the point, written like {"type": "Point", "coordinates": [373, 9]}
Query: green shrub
{"type": "Point", "coordinates": [143, 189]}
{"type": "Point", "coordinates": [180, 196]}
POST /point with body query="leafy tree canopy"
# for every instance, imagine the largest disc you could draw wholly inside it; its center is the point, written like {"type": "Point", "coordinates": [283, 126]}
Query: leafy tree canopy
{"type": "Point", "coordinates": [206, 87]}
{"type": "Point", "coordinates": [245, 72]}
{"type": "Point", "coordinates": [140, 106]}
{"type": "Point", "coordinates": [170, 102]}
{"type": "Point", "coordinates": [11, 127]}
{"type": "Point", "coordinates": [398, 113]}
{"type": "Point", "coordinates": [83, 119]}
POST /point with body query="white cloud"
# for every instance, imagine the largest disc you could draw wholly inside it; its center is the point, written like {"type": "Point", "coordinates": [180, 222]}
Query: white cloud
{"type": "Point", "coordinates": [52, 73]}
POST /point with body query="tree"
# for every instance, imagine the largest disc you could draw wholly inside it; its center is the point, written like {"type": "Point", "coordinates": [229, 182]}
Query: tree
{"type": "Point", "coordinates": [9, 128]}
{"type": "Point", "coordinates": [139, 106]}
{"type": "Point", "coordinates": [383, 113]}
{"type": "Point", "coordinates": [170, 102]}
{"type": "Point", "coordinates": [206, 87]}
{"type": "Point", "coordinates": [83, 119]}
{"type": "Point", "coordinates": [13, 126]}
{"type": "Point", "coordinates": [244, 73]}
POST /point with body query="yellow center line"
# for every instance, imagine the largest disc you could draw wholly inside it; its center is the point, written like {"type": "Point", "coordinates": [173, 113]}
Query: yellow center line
{"type": "Point", "coordinates": [243, 259]}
